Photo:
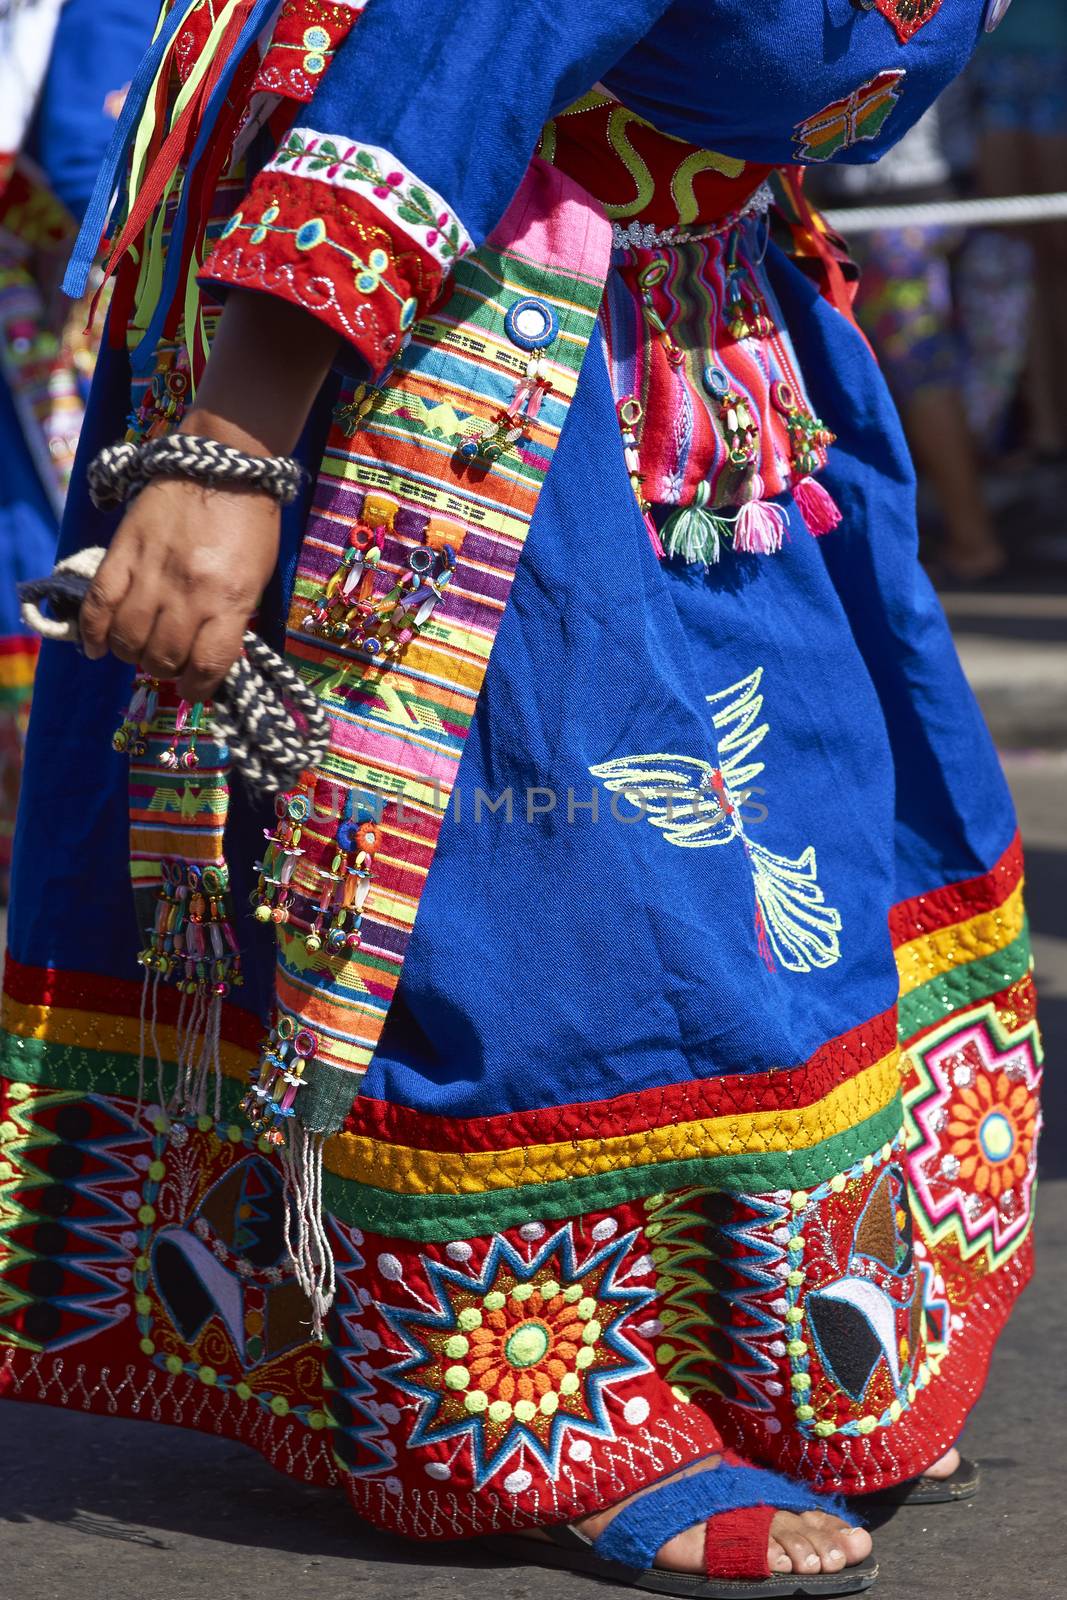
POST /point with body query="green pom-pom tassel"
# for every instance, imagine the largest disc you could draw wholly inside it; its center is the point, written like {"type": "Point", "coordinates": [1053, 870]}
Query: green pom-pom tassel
{"type": "Point", "coordinates": [693, 532]}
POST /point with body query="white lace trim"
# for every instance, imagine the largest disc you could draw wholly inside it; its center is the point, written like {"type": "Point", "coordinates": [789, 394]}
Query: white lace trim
{"type": "Point", "coordinates": [643, 236]}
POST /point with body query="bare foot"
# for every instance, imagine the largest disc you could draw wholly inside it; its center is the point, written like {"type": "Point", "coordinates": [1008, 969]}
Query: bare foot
{"type": "Point", "coordinates": [807, 1542]}
{"type": "Point", "coordinates": [945, 1467]}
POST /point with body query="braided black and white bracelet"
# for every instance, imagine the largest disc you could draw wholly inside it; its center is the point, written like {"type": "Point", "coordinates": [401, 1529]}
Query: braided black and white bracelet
{"type": "Point", "coordinates": [272, 724]}
{"type": "Point", "coordinates": [120, 471]}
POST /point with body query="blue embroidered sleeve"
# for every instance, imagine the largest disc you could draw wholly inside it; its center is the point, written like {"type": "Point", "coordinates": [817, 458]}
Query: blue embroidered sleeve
{"type": "Point", "coordinates": [459, 94]}
{"type": "Point", "coordinates": [409, 152]}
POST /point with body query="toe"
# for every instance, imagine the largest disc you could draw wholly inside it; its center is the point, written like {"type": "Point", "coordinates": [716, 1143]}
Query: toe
{"type": "Point", "coordinates": [777, 1559]}
{"type": "Point", "coordinates": [828, 1548]}
{"type": "Point", "coordinates": [945, 1467]}
{"type": "Point", "coordinates": [803, 1556]}
{"type": "Point", "coordinates": [856, 1543]}
{"type": "Point", "coordinates": [815, 1541]}
{"type": "Point", "coordinates": [826, 1535]}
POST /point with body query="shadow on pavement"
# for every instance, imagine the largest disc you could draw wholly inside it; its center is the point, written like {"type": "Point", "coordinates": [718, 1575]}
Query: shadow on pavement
{"type": "Point", "coordinates": [122, 1478]}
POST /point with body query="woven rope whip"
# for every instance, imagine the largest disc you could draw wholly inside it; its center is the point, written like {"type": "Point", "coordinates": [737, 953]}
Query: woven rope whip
{"type": "Point", "coordinates": [263, 711]}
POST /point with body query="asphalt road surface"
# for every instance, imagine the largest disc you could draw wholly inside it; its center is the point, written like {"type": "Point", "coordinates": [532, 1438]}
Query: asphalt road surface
{"type": "Point", "coordinates": [96, 1509]}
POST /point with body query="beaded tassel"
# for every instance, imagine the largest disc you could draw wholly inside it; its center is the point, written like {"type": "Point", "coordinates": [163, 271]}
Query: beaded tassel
{"type": "Point", "coordinates": [187, 722]}
{"type": "Point", "coordinates": [192, 941]}
{"type": "Point", "coordinates": [191, 938]}
{"type": "Point", "coordinates": [647, 280]}
{"type": "Point", "coordinates": [349, 414]}
{"type": "Point", "coordinates": [273, 894]}
{"type": "Point", "coordinates": [807, 437]}
{"type": "Point", "coordinates": [131, 735]}
{"type": "Point", "coordinates": [739, 425]}
{"type": "Point", "coordinates": [350, 614]}
{"type": "Point", "coordinates": [511, 423]}
{"type": "Point", "coordinates": [281, 1072]}
{"type": "Point", "coordinates": [346, 605]}
{"type": "Point", "coordinates": [278, 1078]}
{"type": "Point", "coordinates": [630, 412]}
{"type": "Point", "coordinates": [409, 605]}
{"type": "Point", "coordinates": [758, 526]}
{"type": "Point", "coordinates": [336, 912]}
{"type": "Point", "coordinates": [746, 317]}
{"type": "Point", "coordinates": [345, 885]}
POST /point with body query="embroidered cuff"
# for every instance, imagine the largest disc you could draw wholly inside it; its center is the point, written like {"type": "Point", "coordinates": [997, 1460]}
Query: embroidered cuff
{"type": "Point", "coordinates": [305, 38]}
{"type": "Point", "coordinates": [346, 232]}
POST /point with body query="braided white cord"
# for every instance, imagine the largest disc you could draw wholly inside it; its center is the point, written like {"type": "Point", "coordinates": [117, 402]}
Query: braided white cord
{"type": "Point", "coordinates": [68, 581]}
{"type": "Point", "coordinates": [121, 470]}
{"type": "Point", "coordinates": [252, 716]}
{"type": "Point", "coordinates": [253, 706]}
{"type": "Point", "coordinates": [113, 475]}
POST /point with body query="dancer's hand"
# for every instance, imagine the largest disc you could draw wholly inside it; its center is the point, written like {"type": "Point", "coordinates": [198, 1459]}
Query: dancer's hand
{"type": "Point", "coordinates": [188, 564]}
{"type": "Point", "coordinates": [185, 571]}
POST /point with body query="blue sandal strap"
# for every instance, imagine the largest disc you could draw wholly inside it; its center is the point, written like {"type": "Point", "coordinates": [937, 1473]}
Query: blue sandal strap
{"type": "Point", "coordinates": [635, 1534]}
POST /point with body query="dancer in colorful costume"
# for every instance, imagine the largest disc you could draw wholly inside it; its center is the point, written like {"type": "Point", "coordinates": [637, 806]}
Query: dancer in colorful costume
{"type": "Point", "coordinates": [62, 70]}
{"type": "Point", "coordinates": [695, 1110]}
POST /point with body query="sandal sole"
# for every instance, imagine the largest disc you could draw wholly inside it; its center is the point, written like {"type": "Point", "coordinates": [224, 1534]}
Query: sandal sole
{"type": "Point", "coordinates": [963, 1484]}
{"type": "Point", "coordinates": [684, 1585]}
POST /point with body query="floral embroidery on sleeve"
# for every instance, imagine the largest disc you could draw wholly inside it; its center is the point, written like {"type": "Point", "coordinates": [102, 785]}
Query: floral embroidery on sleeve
{"type": "Point", "coordinates": [390, 187]}
{"type": "Point", "coordinates": [348, 233]}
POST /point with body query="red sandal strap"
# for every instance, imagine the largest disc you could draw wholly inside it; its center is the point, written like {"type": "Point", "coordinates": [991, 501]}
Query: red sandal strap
{"type": "Point", "coordinates": [735, 1543]}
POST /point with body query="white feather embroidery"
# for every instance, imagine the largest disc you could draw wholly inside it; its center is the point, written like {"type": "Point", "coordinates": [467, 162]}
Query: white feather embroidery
{"type": "Point", "coordinates": [697, 804]}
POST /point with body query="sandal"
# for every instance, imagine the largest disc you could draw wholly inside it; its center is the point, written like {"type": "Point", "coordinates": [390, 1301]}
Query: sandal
{"type": "Point", "coordinates": [738, 1504]}
{"type": "Point", "coordinates": [959, 1485]}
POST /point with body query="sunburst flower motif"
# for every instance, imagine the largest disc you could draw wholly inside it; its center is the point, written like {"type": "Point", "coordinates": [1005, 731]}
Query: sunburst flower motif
{"type": "Point", "coordinates": [522, 1353]}
{"type": "Point", "coordinates": [991, 1131]}
{"type": "Point", "coordinates": [972, 1106]}
{"type": "Point", "coordinates": [525, 1352]}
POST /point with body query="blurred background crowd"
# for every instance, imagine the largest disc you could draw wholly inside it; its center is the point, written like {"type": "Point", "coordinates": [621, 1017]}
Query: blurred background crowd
{"type": "Point", "coordinates": [970, 324]}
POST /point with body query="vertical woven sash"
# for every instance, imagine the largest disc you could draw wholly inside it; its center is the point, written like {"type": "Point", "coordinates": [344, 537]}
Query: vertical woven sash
{"type": "Point", "coordinates": [399, 728]}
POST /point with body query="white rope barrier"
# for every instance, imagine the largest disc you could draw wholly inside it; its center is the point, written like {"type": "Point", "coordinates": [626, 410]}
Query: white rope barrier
{"type": "Point", "coordinates": [1012, 209]}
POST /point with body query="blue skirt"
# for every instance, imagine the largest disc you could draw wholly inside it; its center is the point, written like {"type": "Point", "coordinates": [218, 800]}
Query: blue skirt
{"type": "Point", "coordinates": [716, 1014]}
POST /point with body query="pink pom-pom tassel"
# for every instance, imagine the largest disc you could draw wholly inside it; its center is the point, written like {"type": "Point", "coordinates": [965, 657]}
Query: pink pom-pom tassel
{"type": "Point", "coordinates": [653, 534]}
{"type": "Point", "coordinates": [759, 528]}
{"type": "Point", "coordinates": [817, 506]}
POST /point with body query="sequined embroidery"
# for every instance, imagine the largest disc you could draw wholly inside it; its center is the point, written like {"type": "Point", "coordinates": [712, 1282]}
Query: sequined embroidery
{"type": "Point", "coordinates": [854, 118]}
